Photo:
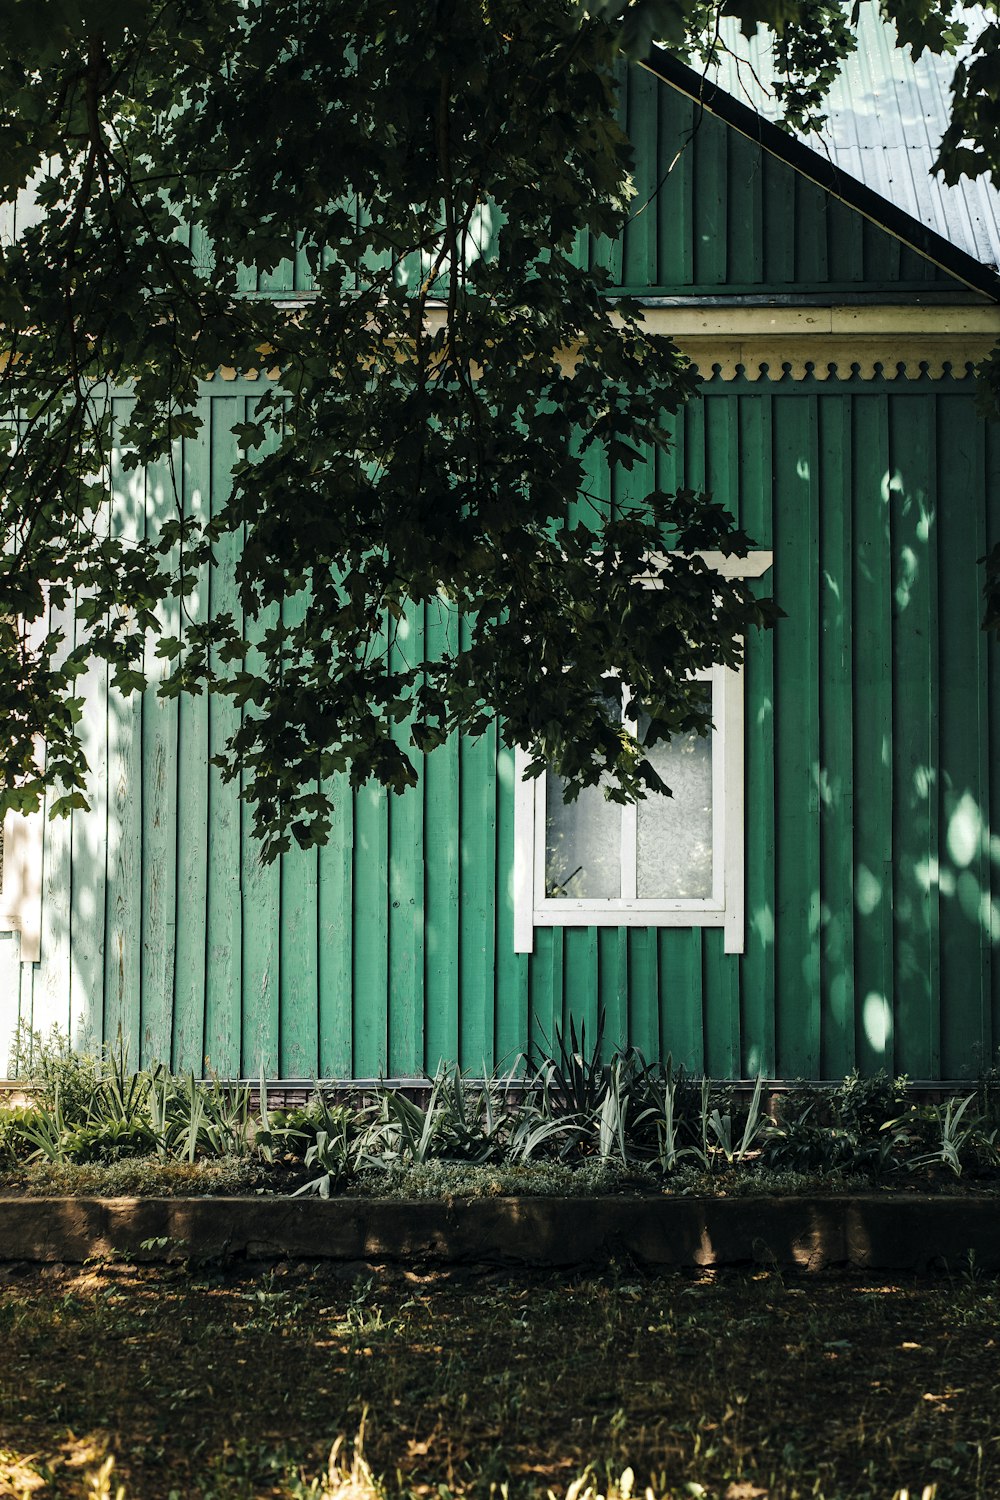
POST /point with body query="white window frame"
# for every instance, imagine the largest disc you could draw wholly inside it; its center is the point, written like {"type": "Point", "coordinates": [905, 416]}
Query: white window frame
{"type": "Point", "coordinates": [725, 908]}
{"type": "Point", "coordinates": [23, 851]}
{"type": "Point", "coordinates": [21, 890]}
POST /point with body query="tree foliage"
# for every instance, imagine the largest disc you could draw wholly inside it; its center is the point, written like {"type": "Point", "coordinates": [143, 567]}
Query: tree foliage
{"type": "Point", "coordinates": [439, 405]}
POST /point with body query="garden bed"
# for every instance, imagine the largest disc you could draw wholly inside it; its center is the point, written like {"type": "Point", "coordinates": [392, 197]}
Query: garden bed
{"type": "Point", "coordinates": [577, 1161]}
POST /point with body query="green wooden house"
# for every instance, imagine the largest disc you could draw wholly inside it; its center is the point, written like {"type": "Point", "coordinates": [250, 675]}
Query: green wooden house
{"type": "Point", "coordinates": [824, 890]}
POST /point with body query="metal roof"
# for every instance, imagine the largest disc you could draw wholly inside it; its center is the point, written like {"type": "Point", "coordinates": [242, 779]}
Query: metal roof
{"type": "Point", "coordinates": [886, 115]}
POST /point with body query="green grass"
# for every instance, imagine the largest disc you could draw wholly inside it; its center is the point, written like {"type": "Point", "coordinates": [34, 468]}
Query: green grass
{"type": "Point", "coordinates": [731, 1387]}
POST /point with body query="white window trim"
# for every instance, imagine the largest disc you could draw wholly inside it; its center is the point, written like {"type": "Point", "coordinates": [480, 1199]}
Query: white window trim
{"type": "Point", "coordinates": [23, 850]}
{"type": "Point", "coordinates": [726, 907]}
{"type": "Point", "coordinates": [21, 893]}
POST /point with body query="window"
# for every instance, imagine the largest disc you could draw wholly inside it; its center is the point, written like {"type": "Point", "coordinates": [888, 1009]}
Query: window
{"type": "Point", "coordinates": [21, 847]}
{"type": "Point", "coordinates": [663, 862]}
{"type": "Point", "coordinates": [21, 881]}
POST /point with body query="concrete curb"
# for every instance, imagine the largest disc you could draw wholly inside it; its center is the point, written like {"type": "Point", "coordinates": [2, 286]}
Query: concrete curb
{"type": "Point", "coordinates": [888, 1232]}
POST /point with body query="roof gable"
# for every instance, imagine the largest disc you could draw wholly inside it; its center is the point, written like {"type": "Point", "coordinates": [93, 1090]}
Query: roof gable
{"type": "Point", "coordinates": [885, 116]}
{"type": "Point", "coordinates": [728, 204]}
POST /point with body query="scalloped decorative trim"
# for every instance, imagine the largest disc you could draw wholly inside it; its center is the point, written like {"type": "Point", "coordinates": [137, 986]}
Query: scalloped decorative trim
{"type": "Point", "coordinates": [792, 343]}
{"type": "Point", "coordinates": [828, 364]}
{"type": "Point", "coordinates": [770, 364]}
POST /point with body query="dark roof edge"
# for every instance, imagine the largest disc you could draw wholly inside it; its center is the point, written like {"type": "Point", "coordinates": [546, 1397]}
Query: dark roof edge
{"type": "Point", "coordinates": [823, 172]}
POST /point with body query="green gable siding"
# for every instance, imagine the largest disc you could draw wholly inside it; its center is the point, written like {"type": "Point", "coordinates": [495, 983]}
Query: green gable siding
{"type": "Point", "coordinates": [714, 214]}
{"type": "Point", "coordinates": [873, 883]}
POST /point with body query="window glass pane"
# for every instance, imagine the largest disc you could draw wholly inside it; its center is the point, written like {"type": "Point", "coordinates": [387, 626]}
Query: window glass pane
{"type": "Point", "coordinates": [582, 844]}
{"type": "Point", "coordinates": [674, 834]}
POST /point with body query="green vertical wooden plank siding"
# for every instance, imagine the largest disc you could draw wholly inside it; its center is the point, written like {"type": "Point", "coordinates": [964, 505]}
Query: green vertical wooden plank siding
{"type": "Point", "coordinates": [989, 852]}
{"type": "Point", "coordinates": [581, 997]}
{"type": "Point", "coordinates": [873, 789]}
{"type": "Point", "coordinates": [722, 1006]}
{"type": "Point", "coordinates": [477, 883]}
{"type": "Point", "coordinates": [675, 196]}
{"type": "Point", "coordinates": [796, 751]}
{"type": "Point", "coordinates": [989, 849]}
{"type": "Point", "coordinates": [681, 992]}
{"type": "Point", "coordinates": [406, 883]}
{"type": "Point", "coordinates": [441, 870]}
{"type": "Point", "coordinates": [812, 224]}
{"type": "Point", "coordinates": [913, 490]}
{"type": "Point", "coordinates": [188, 1048]}
{"type": "Point", "coordinates": [991, 666]}
{"type": "Point", "coordinates": [752, 417]}
{"type": "Point", "coordinates": [721, 996]}
{"type": "Point", "coordinates": [371, 921]}
{"type": "Point", "coordinates": [881, 254]}
{"type": "Point", "coordinates": [601, 252]}
{"type": "Point", "coordinates": [639, 242]}
{"type": "Point", "coordinates": [643, 990]}
{"type": "Point", "coordinates": [159, 805]}
{"type": "Point", "coordinates": [336, 872]}
{"type": "Point", "coordinates": [711, 245]}
{"type": "Point", "coordinates": [371, 928]}
{"type": "Point", "coordinates": [261, 934]}
{"type": "Point", "coordinates": [545, 989]}
{"type": "Point", "coordinates": [611, 981]}
{"type": "Point", "coordinates": [299, 964]}
{"type": "Point", "coordinates": [224, 978]}
{"type": "Point", "coordinates": [298, 960]}
{"type": "Point", "coordinates": [746, 206]}
{"type": "Point", "coordinates": [260, 955]}
{"type": "Point", "coordinates": [298, 1051]}
{"type": "Point", "coordinates": [845, 245]}
{"type": "Point", "coordinates": [51, 990]}
{"type": "Point", "coordinates": [968, 920]}
{"type": "Point", "coordinates": [722, 460]}
{"type": "Point", "coordinates": [723, 468]}
{"type": "Point", "coordinates": [836, 775]}
{"type": "Point", "coordinates": [370, 897]}
{"type": "Point", "coordinates": [123, 908]}
{"type": "Point", "coordinates": [556, 971]}
{"type": "Point", "coordinates": [261, 960]}
{"type": "Point", "coordinates": [280, 279]}
{"type": "Point", "coordinates": [88, 860]}
{"type": "Point", "coordinates": [511, 995]}
{"type": "Point", "coordinates": [915, 268]}
{"type": "Point", "coordinates": [706, 467]}
{"type": "Point", "coordinates": [780, 212]}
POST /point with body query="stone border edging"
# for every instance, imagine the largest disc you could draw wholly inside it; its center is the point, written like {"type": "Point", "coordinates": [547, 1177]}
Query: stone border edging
{"type": "Point", "coordinates": [877, 1231]}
